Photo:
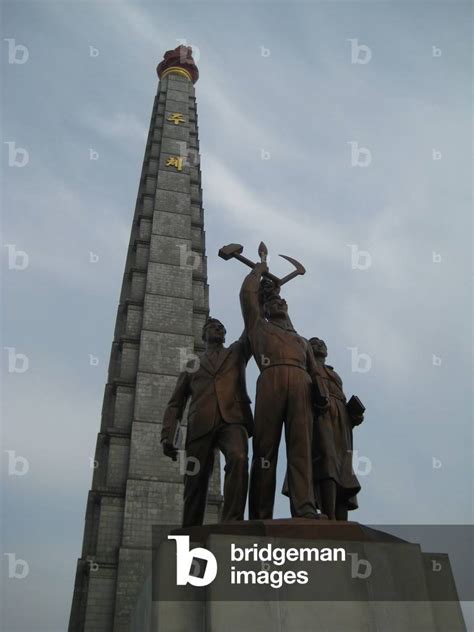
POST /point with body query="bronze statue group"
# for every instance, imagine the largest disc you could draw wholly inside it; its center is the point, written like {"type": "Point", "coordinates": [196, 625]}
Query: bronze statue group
{"type": "Point", "coordinates": [296, 390]}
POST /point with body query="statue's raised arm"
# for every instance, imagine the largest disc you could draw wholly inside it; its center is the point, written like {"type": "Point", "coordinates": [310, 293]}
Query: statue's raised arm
{"type": "Point", "coordinates": [249, 296]}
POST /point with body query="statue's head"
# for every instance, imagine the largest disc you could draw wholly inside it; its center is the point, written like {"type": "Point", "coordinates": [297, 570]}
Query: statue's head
{"type": "Point", "coordinates": [275, 307]}
{"type": "Point", "coordinates": [319, 348]}
{"type": "Point", "coordinates": [213, 331]}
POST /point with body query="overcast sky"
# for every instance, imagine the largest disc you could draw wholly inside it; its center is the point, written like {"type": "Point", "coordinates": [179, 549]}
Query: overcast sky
{"type": "Point", "coordinates": [286, 98]}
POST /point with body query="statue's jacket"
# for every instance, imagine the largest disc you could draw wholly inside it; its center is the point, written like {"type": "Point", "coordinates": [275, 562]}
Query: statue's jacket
{"type": "Point", "coordinates": [214, 390]}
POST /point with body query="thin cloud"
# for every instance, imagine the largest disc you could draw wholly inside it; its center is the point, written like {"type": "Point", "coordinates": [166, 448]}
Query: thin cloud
{"type": "Point", "coordinates": [120, 127]}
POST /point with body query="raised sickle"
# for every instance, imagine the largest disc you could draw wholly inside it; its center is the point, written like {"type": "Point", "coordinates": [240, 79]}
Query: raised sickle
{"type": "Point", "coordinates": [235, 251]}
{"type": "Point", "coordinates": [299, 269]}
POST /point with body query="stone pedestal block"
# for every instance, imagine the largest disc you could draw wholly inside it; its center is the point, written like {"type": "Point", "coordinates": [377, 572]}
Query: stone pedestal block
{"type": "Point", "coordinates": [382, 584]}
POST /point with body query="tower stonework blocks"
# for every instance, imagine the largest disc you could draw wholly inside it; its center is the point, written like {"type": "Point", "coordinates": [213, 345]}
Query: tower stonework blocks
{"type": "Point", "coordinates": [163, 305]}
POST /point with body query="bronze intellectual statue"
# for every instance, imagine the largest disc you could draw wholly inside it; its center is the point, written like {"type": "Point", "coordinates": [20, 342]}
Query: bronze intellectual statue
{"type": "Point", "coordinates": [219, 416]}
{"type": "Point", "coordinates": [283, 397]}
{"type": "Point", "coordinates": [336, 485]}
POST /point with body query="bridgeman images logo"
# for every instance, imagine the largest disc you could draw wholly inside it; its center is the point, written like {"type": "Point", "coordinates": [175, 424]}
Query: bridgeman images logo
{"type": "Point", "coordinates": [198, 566]}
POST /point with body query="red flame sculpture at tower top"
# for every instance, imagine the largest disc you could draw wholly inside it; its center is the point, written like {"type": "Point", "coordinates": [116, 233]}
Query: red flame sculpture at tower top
{"type": "Point", "coordinates": [179, 60]}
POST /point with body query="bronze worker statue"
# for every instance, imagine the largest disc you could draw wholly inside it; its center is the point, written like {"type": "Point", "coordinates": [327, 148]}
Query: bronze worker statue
{"type": "Point", "coordinates": [336, 485]}
{"type": "Point", "coordinates": [283, 399]}
{"type": "Point", "coordinates": [284, 390]}
{"type": "Point", "coordinates": [219, 416]}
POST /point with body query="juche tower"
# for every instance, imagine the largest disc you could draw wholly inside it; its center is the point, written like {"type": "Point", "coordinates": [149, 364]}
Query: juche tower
{"type": "Point", "coordinates": [163, 305]}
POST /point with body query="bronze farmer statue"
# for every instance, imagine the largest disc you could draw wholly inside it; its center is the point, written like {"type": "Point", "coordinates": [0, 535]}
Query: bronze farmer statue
{"type": "Point", "coordinates": [219, 416]}
{"type": "Point", "coordinates": [284, 389]}
{"type": "Point", "coordinates": [336, 485]}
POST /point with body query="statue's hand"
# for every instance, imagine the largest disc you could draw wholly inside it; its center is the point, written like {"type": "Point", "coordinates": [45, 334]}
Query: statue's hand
{"type": "Point", "coordinates": [170, 450]}
{"type": "Point", "coordinates": [357, 420]}
{"type": "Point", "coordinates": [261, 267]}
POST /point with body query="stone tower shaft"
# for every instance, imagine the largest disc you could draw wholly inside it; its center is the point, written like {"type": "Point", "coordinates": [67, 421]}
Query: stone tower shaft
{"type": "Point", "coordinates": [163, 305]}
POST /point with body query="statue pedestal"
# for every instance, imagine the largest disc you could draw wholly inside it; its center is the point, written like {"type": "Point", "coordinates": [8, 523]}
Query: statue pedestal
{"type": "Point", "coordinates": [383, 583]}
